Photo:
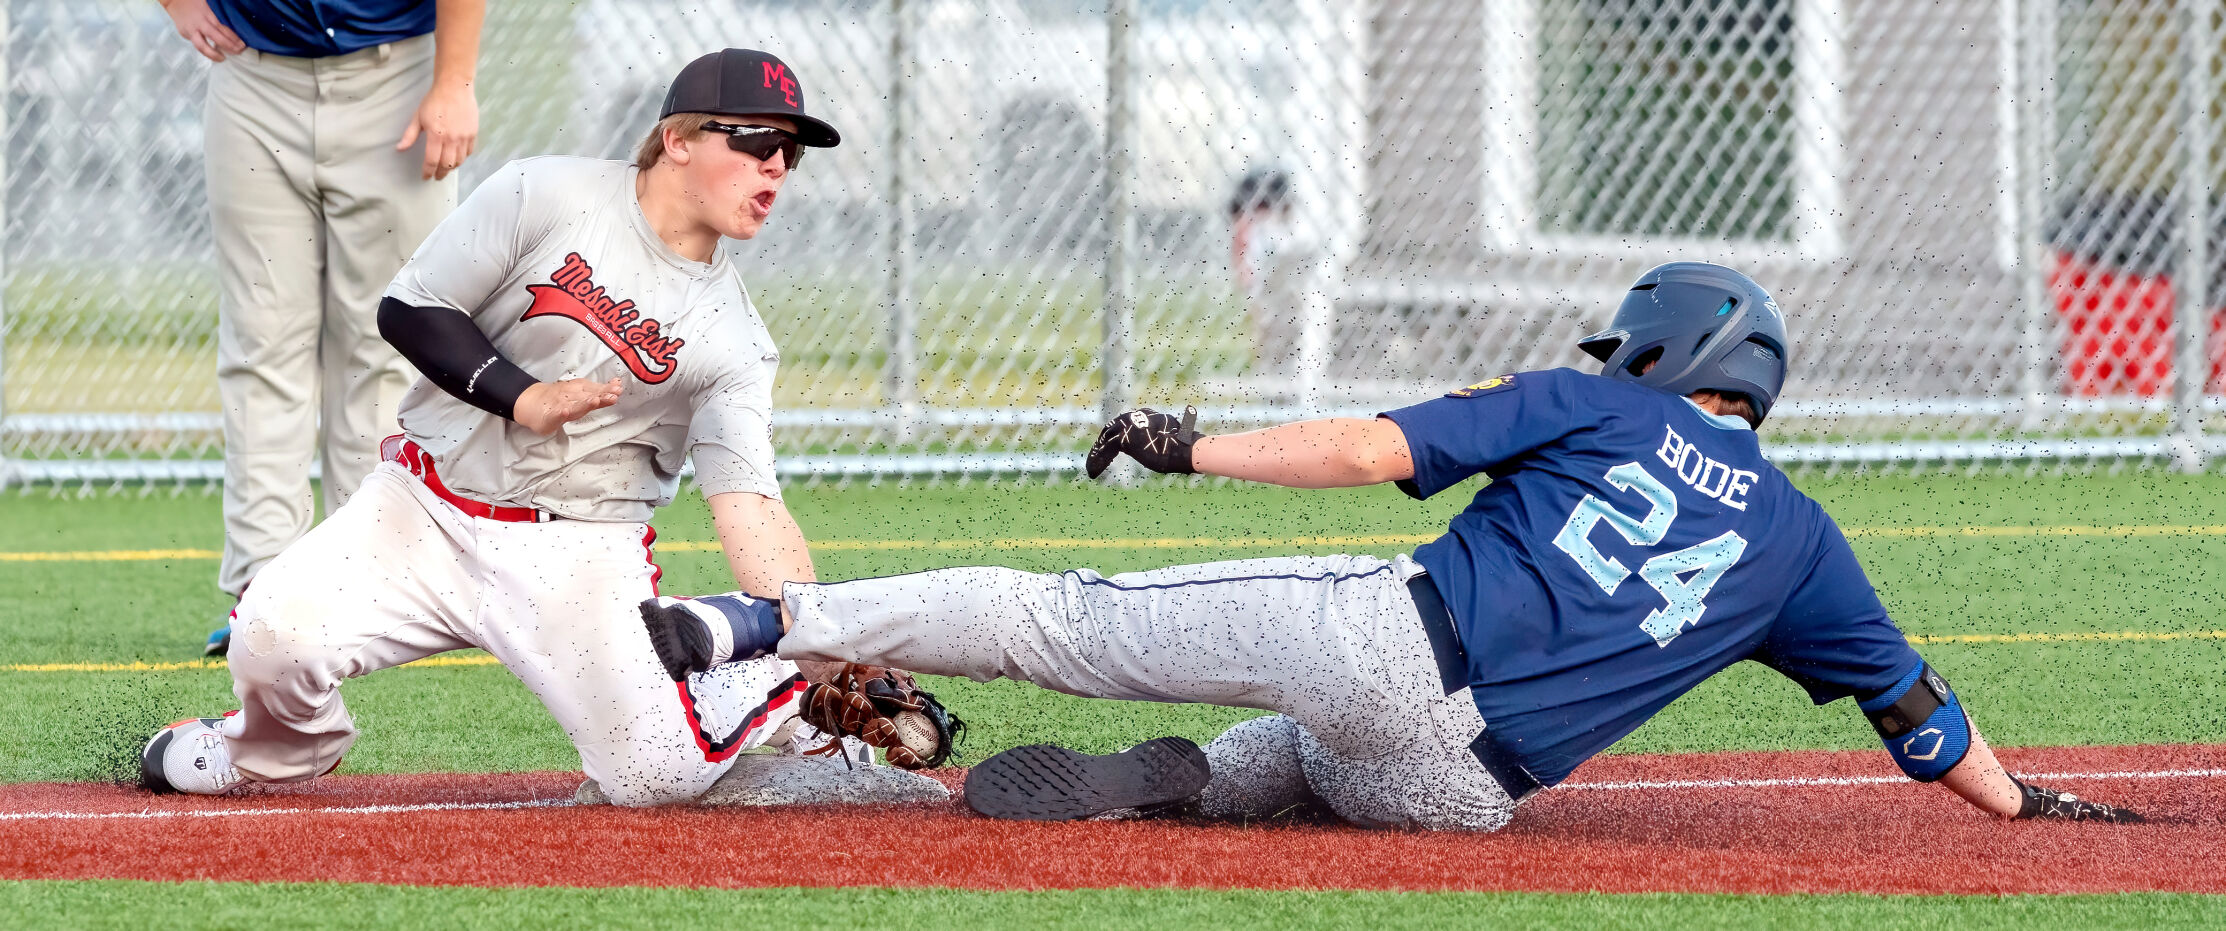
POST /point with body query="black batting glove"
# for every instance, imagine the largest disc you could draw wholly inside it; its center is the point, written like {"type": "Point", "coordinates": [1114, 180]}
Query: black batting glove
{"type": "Point", "coordinates": [2064, 806]}
{"type": "Point", "coordinates": [1157, 441]}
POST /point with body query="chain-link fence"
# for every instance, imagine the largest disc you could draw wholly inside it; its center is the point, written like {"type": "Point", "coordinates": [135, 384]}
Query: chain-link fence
{"type": "Point", "coordinates": [1986, 219]}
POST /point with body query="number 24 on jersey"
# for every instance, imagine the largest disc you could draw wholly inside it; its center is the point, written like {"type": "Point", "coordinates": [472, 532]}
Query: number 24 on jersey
{"type": "Point", "coordinates": [1682, 577]}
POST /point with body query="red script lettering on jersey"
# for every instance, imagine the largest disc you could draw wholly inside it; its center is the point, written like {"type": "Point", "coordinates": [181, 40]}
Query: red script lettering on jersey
{"type": "Point", "coordinates": [636, 339]}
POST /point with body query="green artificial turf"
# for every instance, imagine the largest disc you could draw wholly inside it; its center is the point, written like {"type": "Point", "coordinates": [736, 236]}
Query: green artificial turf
{"type": "Point", "coordinates": [133, 905]}
{"type": "Point", "coordinates": [441, 718]}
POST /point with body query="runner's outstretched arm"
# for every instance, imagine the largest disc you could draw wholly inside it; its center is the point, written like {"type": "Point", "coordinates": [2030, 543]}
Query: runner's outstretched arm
{"type": "Point", "coordinates": [1340, 452]}
{"type": "Point", "coordinates": [1931, 737]}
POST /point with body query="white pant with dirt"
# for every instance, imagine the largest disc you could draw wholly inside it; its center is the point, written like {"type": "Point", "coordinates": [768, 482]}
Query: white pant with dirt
{"type": "Point", "coordinates": [398, 574]}
{"type": "Point", "coordinates": [1332, 643]}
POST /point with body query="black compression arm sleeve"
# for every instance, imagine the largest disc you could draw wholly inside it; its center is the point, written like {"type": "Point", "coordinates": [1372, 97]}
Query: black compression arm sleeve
{"type": "Point", "coordinates": [446, 346]}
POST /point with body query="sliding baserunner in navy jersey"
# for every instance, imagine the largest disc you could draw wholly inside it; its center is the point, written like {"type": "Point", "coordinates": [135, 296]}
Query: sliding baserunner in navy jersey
{"type": "Point", "coordinates": [1632, 542]}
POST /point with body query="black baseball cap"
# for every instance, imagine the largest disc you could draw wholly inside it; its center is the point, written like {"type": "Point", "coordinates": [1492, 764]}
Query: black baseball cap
{"type": "Point", "coordinates": [746, 82]}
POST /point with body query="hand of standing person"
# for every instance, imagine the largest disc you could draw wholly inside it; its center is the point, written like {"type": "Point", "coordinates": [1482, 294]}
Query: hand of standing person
{"type": "Point", "coordinates": [449, 122]}
{"type": "Point", "coordinates": [448, 117]}
{"type": "Point", "coordinates": [198, 25]}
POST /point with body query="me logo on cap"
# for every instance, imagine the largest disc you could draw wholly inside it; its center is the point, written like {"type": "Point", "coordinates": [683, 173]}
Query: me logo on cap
{"type": "Point", "coordinates": [746, 82]}
{"type": "Point", "coordinates": [777, 72]}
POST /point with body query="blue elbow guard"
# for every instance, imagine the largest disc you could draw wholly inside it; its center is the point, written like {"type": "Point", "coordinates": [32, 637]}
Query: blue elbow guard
{"type": "Point", "coordinates": [1922, 724]}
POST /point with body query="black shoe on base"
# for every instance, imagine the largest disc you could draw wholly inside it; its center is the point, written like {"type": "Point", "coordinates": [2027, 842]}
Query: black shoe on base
{"type": "Point", "coordinates": [1042, 782]}
{"type": "Point", "coordinates": [682, 642]}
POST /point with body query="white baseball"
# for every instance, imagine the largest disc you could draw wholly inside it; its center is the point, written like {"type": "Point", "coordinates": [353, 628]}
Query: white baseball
{"type": "Point", "coordinates": [916, 731]}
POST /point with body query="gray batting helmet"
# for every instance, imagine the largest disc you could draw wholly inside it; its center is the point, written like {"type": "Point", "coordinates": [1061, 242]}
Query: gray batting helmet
{"type": "Point", "coordinates": [1705, 328]}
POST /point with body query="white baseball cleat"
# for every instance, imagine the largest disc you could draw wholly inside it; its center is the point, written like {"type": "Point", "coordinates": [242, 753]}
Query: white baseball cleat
{"type": "Point", "coordinates": [190, 757]}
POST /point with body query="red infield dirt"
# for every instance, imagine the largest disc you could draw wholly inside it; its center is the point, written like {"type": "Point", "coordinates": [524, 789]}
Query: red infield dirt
{"type": "Point", "coordinates": [1697, 835]}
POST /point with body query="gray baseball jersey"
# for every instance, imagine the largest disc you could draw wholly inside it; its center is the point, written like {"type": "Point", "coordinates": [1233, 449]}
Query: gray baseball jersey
{"type": "Point", "coordinates": [555, 262]}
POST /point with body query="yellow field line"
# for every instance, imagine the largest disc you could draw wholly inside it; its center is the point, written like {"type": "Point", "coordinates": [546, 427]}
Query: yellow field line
{"type": "Point", "coordinates": [475, 659]}
{"type": "Point", "coordinates": [2067, 530]}
{"type": "Point", "coordinates": [2093, 637]}
{"type": "Point", "coordinates": [1173, 543]}
{"type": "Point", "coordinates": [109, 556]}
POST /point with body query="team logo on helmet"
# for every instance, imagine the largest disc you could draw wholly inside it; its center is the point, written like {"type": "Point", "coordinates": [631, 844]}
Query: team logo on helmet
{"type": "Point", "coordinates": [1488, 385]}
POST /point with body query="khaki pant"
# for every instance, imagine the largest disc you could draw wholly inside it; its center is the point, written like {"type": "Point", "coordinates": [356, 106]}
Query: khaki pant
{"type": "Point", "coordinates": [314, 212]}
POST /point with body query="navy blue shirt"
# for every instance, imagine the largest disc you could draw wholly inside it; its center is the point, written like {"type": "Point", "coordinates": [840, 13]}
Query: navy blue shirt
{"type": "Point", "coordinates": [317, 28]}
{"type": "Point", "coordinates": [1628, 546]}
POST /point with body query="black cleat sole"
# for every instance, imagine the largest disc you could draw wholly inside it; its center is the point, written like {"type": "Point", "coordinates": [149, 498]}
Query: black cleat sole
{"type": "Point", "coordinates": [682, 645]}
{"type": "Point", "coordinates": [150, 766]}
{"type": "Point", "coordinates": [1042, 782]}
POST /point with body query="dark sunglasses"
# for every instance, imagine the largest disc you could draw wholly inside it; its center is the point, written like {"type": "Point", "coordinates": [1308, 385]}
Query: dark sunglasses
{"type": "Point", "coordinates": [760, 142]}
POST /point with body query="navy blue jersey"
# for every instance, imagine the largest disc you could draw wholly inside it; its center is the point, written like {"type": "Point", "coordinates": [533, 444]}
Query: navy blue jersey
{"type": "Point", "coordinates": [1628, 546]}
{"type": "Point", "coordinates": [318, 28]}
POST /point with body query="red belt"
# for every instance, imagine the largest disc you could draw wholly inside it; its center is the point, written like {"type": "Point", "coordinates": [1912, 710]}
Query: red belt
{"type": "Point", "coordinates": [401, 449]}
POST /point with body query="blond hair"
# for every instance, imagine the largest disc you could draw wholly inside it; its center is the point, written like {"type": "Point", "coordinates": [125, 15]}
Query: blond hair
{"type": "Point", "coordinates": [688, 125]}
{"type": "Point", "coordinates": [1730, 404]}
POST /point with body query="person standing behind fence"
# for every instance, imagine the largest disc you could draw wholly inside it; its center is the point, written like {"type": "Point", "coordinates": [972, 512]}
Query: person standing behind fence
{"type": "Point", "coordinates": [1278, 264]}
{"type": "Point", "coordinates": [333, 129]}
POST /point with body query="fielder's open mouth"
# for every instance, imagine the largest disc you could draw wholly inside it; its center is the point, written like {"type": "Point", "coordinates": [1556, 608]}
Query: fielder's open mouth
{"type": "Point", "coordinates": [764, 201]}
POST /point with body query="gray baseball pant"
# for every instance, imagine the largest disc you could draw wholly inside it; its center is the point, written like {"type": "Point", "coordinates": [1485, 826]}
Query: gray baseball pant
{"type": "Point", "coordinates": [1331, 643]}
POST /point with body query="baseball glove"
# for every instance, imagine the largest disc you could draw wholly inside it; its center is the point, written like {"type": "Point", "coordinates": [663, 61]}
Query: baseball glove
{"type": "Point", "coordinates": [886, 709]}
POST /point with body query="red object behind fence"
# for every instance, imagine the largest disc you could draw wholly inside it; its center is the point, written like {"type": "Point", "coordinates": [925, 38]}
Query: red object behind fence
{"type": "Point", "coordinates": [2118, 330]}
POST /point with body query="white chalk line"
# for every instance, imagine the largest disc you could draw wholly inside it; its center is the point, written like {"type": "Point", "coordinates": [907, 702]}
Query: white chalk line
{"type": "Point", "coordinates": [1796, 782]}
{"type": "Point", "coordinates": [266, 812]}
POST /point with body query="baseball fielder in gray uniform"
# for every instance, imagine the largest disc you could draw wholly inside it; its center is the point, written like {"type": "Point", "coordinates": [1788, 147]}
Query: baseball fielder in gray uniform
{"type": "Point", "coordinates": [581, 333]}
